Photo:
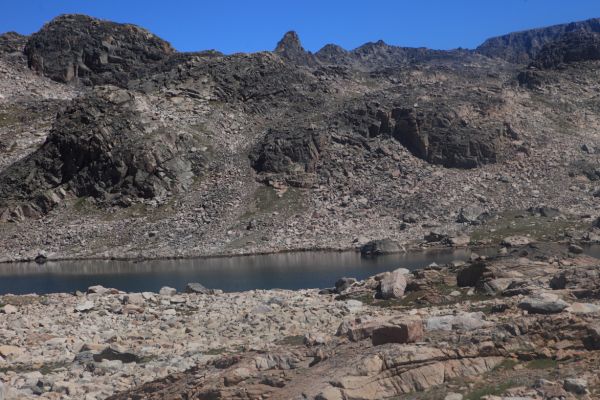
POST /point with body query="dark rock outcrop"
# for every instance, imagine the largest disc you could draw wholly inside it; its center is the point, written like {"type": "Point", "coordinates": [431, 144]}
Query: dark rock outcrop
{"type": "Point", "coordinates": [78, 48]}
{"type": "Point", "coordinates": [571, 47]}
{"type": "Point", "coordinates": [12, 42]}
{"type": "Point", "coordinates": [380, 247]}
{"type": "Point", "coordinates": [288, 151]}
{"type": "Point", "coordinates": [290, 48]}
{"type": "Point", "coordinates": [523, 47]}
{"type": "Point", "coordinates": [104, 147]}
{"type": "Point", "coordinates": [442, 137]}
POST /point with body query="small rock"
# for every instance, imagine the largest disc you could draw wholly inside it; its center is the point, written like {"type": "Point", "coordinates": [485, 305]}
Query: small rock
{"type": "Point", "coordinates": [472, 215]}
{"type": "Point", "coordinates": [583, 308]}
{"type": "Point", "coordinates": [575, 249]}
{"type": "Point", "coordinates": [110, 353]}
{"type": "Point", "coordinates": [463, 321]}
{"type": "Point", "coordinates": [97, 289]}
{"type": "Point", "coordinates": [575, 385]}
{"type": "Point", "coordinates": [177, 299]}
{"type": "Point", "coordinates": [86, 306]}
{"type": "Point", "coordinates": [41, 258]}
{"type": "Point", "coordinates": [545, 303]}
{"type": "Point", "coordinates": [331, 393]}
{"type": "Point", "coordinates": [453, 396]}
{"type": "Point", "coordinates": [236, 376]}
{"type": "Point", "coordinates": [433, 237]}
{"type": "Point", "coordinates": [408, 331]}
{"type": "Point", "coordinates": [195, 287]}
{"type": "Point", "coordinates": [167, 291]}
{"type": "Point", "coordinates": [8, 351]}
{"type": "Point", "coordinates": [393, 284]}
{"type": "Point", "coordinates": [458, 241]}
{"type": "Point", "coordinates": [516, 241]}
{"type": "Point", "coordinates": [343, 284]}
{"type": "Point", "coordinates": [354, 305]}
{"type": "Point", "coordinates": [379, 247]}
{"type": "Point", "coordinates": [588, 148]}
{"type": "Point", "coordinates": [9, 309]}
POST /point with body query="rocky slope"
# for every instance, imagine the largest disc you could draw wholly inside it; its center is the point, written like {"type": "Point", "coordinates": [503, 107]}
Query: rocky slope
{"type": "Point", "coordinates": [117, 137]}
{"type": "Point", "coordinates": [112, 144]}
{"type": "Point", "coordinates": [520, 325]}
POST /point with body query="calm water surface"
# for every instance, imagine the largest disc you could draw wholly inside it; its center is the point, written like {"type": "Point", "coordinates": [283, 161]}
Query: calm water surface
{"type": "Point", "coordinates": [284, 271]}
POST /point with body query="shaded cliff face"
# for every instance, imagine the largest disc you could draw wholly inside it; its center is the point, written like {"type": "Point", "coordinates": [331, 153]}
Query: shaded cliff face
{"type": "Point", "coordinates": [103, 146]}
{"type": "Point", "coordinates": [572, 47]}
{"type": "Point", "coordinates": [94, 52]}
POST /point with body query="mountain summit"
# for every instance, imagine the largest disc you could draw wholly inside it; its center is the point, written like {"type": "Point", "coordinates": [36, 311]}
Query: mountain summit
{"type": "Point", "coordinates": [290, 48]}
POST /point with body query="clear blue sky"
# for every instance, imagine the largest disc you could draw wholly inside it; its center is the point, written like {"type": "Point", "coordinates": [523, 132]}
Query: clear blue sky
{"type": "Point", "coordinates": [252, 25]}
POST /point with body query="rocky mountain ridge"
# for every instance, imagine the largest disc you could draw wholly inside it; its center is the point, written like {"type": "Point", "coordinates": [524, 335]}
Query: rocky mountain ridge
{"type": "Point", "coordinates": [283, 150]}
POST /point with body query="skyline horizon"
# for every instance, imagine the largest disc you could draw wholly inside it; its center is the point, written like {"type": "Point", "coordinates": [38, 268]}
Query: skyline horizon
{"type": "Point", "coordinates": [313, 36]}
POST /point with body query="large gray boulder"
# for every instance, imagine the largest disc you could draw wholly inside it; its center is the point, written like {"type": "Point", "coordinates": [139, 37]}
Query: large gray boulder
{"type": "Point", "coordinates": [195, 287]}
{"type": "Point", "coordinates": [393, 284]}
{"type": "Point", "coordinates": [380, 247]}
{"type": "Point", "coordinates": [545, 303]}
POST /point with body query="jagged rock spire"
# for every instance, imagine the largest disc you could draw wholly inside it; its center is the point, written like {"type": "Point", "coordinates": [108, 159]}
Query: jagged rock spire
{"type": "Point", "coordinates": [290, 48]}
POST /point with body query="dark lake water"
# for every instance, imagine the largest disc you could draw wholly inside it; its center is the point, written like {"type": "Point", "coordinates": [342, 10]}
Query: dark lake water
{"type": "Point", "coordinates": [284, 271]}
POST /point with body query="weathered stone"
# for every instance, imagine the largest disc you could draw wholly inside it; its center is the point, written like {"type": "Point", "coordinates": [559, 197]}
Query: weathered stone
{"type": "Point", "coordinates": [407, 331]}
{"type": "Point", "coordinates": [516, 241]}
{"type": "Point", "coordinates": [9, 309]}
{"type": "Point", "coordinates": [575, 249]}
{"type": "Point", "coordinates": [110, 353]}
{"type": "Point", "coordinates": [393, 284]}
{"type": "Point", "coordinates": [330, 393]}
{"type": "Point", "coordinates": [583, 308]}
{"type": "Point", "coordinates": [434, 236]}
{"type": "Point", "coordinates": [343, 284]}
{"type": "Point", "coordinates": [10, 351]}
{"type": "Point", "coordinates": [592, 340]}
{"type": "Point", "coordinates": [463, 321]}
{"type": "Point", "coordinates": [167, 291]}
{"type": "Point", "coordinates": [380, 247]}
{"type": "Point", "coordinates": [98, 289]}
{"type": "Point", "coordinates": [472, 214]}
{"type": "Point", "coordinates": [545, 303]}
{"type": "Point", "coordinates": [85, 306]}
{"type": "Point", "coordinates": [472, 274]}
{"type": "Point", "coordinates": [575, 385]}
{"type": "Point", "coordinates": [196, 287]}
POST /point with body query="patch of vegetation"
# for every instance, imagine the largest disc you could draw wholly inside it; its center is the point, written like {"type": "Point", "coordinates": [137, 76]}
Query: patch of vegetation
{"type": "Point", "coordinates": [522, 224]}
{"type": "Point", "coordinates": [507, 364]}
{"type": "Point", "coordinates": [216, 351]}
{"type": "Point", "coordinates": [83, 205]}
{"type": "Point", "coordinates": [44, 369]}
{"type": "Point", "coordinates": [542, 363]}
{"type": "Point", "coordinates": [21, 300]}
{"type": "Point", "coordinates": [8, 119]}
{"type": "Point", "coordinates": [493, 390]}
{"type": "Point", "coordinates": [296, 340]}
{"type": "Point", "coordinates": [266, 200]}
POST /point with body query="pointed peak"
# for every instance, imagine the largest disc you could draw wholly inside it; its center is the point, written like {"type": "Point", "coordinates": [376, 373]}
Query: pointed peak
{"type": "Point", "coordinates": [289, 42]}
